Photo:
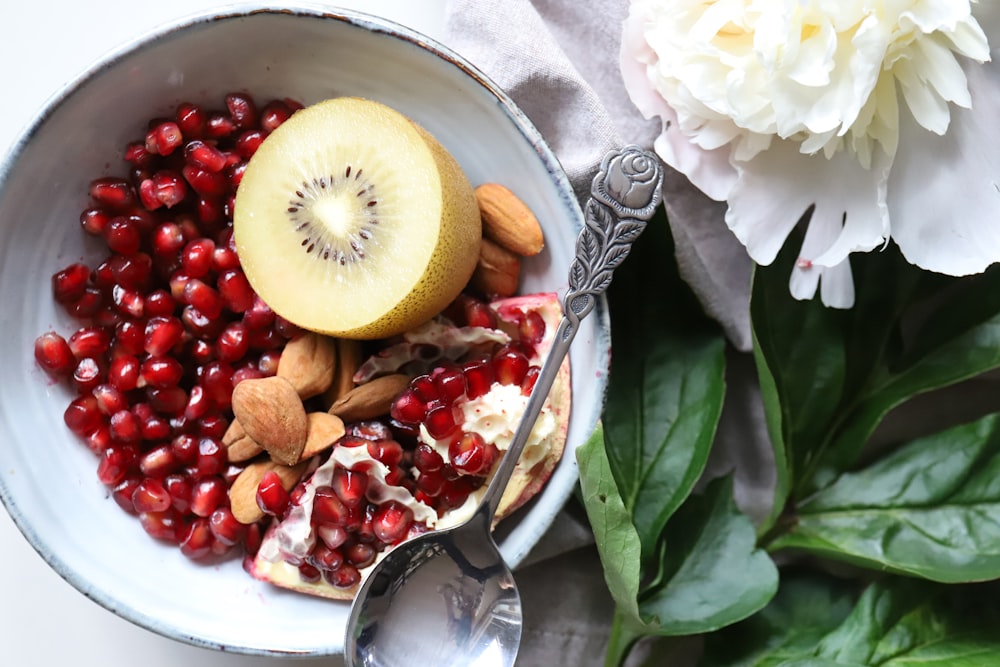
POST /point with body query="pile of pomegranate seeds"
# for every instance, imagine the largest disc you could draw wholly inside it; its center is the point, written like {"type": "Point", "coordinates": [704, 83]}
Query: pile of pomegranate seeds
{"type": "Point", "coordinates": [169, 324]}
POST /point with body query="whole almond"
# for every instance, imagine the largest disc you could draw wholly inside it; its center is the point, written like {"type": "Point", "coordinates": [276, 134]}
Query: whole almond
{"type": "Point", "coordinates": [271, 412]}
{"type": "Point", "coordinates": [371, 399]}
{"type": "Point", "coordinates": [239, 446]}
{"type": "Point", "coordinates": [508, 221]}
{"type": "Point", "coordinates": [308, 362]}
{"type": "Point", "coordinates": [324, 430]}
{"type": "Point", "coordinates": [497, 272]}
{"type": "Point", "coordinates": [243, 492]}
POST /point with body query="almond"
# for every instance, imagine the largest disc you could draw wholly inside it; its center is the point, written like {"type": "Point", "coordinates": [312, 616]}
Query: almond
{"type": "Point", "coordinates": [243, 492]}
{"type": "Point", "coordinates": [371, 399]}
{"type": "Point", "coordinates": [498, 271]}
{"type": "Point", "coordinates": [349, 359]}
{"type": "Point", "coordinates": [508, 221]}
{"type": "Point", "coordinates": [324, 430]}
{"type": "Point", "coordinates": [239, 446]}
{"type": "Point", "coordinates": [308, 362]}
{"type": "Point", "coordinates": [272, 414]}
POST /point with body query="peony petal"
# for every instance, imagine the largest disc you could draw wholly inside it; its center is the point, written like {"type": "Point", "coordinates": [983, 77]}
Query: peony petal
{"type": "Point", "coordinates": [944, 196]}
{"type": "Point", "coordinates": [777, 186]}
{"type": "Point", "coordinates": [837, 286]}
{"type": "Point", "coordinates": [835, 282]}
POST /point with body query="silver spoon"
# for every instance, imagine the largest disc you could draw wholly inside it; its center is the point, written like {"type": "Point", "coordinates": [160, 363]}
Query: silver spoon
{"type": "Point", "coordinates": [446, 598]}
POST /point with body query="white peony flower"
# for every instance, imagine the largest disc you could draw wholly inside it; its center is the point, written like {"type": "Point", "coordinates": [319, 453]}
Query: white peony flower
{"type": "Point", "coordinates": [860, 110]}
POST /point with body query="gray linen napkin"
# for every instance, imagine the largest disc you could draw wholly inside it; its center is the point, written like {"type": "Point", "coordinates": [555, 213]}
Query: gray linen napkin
{"type": "Point", "coordinates": [559, 61]}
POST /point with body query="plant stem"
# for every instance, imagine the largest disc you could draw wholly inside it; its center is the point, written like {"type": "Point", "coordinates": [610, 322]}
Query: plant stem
{"type": "Point", "coordinates": [624, 634]}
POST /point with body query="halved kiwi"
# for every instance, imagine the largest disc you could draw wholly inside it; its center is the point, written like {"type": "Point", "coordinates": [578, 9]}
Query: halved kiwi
{"type": "Point", "coordinates": [352, 220]}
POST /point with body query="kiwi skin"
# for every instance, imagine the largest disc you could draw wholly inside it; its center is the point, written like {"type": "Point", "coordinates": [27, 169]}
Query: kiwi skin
{"type": "Point", "coordinates": [448, 269]}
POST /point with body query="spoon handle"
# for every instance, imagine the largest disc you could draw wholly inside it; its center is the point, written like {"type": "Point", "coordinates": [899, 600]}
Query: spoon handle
{"type": "Point", "coordinates": [624, 195]}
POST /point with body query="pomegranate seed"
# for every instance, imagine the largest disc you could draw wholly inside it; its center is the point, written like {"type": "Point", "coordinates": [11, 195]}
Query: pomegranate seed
{"type": "Point", "coordinates": [132, 271]}
{"type": "Point", "coordinates": [95, 220]}
{"type": "Point", "coordinates": [161, 335]}
{"type": "Point", "coordinates": [274, 114]}
{"type": "Point", "coordinates": [309, 574]}
{"type": "Point", "coordinates": [431, 483]}
{"type": "Point", "coordinates": [450, 385]}
{"type": "Point", "coordinates": [468, 454]}
{"type": "Point", "coordinates": [122, 235]}
{"type": "Point", "coordinates": [530, 378]}
{"type": "Point", "coordinates": [54, 354]}
{"type": "Point", "coordinates": [159, 303]}
{"type": "Point", "coordinates": [268, 362]}
{"type": "Point", "coordinates": [202, 297]}
{"type": "Point", "coordinates": [197, 540]}
{"type": "Point", "coordinates": [440, 421]}
{"type": "Point", "coordinates": [272, 497]}
{"type": "Point", "coordinates": [478, 377]}
{"type": "Point", "coordinates": [388, 452]}
{"type": "Point", "coordinates": [128, 302]}
{"type": "Point", "coordinates": [259, 315]}
{"type": "Point", "coordinates": [109, 399]}
{"type": "Point", "coordinates": [116, 193]}
{"type": "Point", "coordinates": [90, 342]}
{"type": "Point", "coordinates": [169, 401]}
{"type": "Point", "coordinates": [161, 372]}
{"type": "Point", "coordinates": [225, 527]}
{"type": "Point", "coordinates": [212, 459]}
{"type": "Point", "coordinates": [69, 284]}
{"type": "Point", "coordinates": [531, 329]}
{"type": "Point", "coordinates": [218, 384]}
{"type": "Point", "coordinates": [457, 491]}
{"type": "Point", "coordinates": [242, 110]}
{"type": "Point", "coordinates": [328, 508]}
{"type": "Point", "coordinates": [246, 372]}
{"type": "Point", "coordinates": [407, 408]}
{"type": "Point", "coordinates": [345, 576]}
{"type": "Point", "coordinates": [426, 459]}
{"type": "Point", "coordinates": [115, 463]}
{"type": "Point", "coordinates": [154, 427]}
{"type": "Point", "coordinates": [395, 477]}
{"type": "Point", "coordinates": [233, 342]}
{"type": "Point", "coordinates": [206, 183]}
{"type": "Point", "coordinates": [123, 493]}
{"type": "Point", "coordinates": [392, 521]}
{"type": "Point", "coordinates": [205, 156]}
{"type": "Point", "coordinates": [130, 337]}
{"type": "Point", "coordinates": [237, 295]}
{"type": "Point", "coordinates": [196, 257]}
{"type": "Point", "coordinates": [265, 339]}
{"type": "Point", "coordinates": [248, 143]}
{"type": "Point", "coordinates": [325, 558]}
{"type": "Point", "coordinates": [349, 486]}
{"type": "Point", "coordinates": [219, 126]}
{"type": "Point", "coordinates": [178, 280]}
{"type": "Point", "coordinates": [179, 487]}
{"type": "Point", "coordinates": [87, 305]}
{"type": "Point", "coordinates": [168, 239]}
{"type": "Point", "coordinates": [87, 374]}
{"type": "Point", "coordinates": [82, 415]}
{"type": "Point", "coordinates": [201, 351]}
{"type": "Point", "coordinates": [207, 495]}
{"type": "Point", "coordinates": [164, 138]}
{"type": "Point", "coordinates": [424, 388]}
{"type": "Point", "coordinates": [158, 462]}
{"type": "Point", "coordinates": [360, 554]}
{"type": "Point", "coordinates": [479, 314]}
{"type": "Point", "coordinates": [191, 120]}
{"type": "Point", "coordinates": [234, 174]}
{"type": "Point", "coordinates": [510, 365]}
{"type": "Point", "coordinates": [198, 404]}
{"type": "Point", "coordinates": [124, 426]}
{"type": "Point", "coordinates": [332, 535]}
{"type": "Point", "coordinates": [164, 525]}
{"type": "Point", "coordinates": [185, 447]}
{"type": "Point", "coordinates": [212, 426]}
{"type": "Point", "coordinates": [150, 496]}
{"type": "Point", "coordinates": [137, 155]}
{"type": "Point", "coordinates": [164, 188]}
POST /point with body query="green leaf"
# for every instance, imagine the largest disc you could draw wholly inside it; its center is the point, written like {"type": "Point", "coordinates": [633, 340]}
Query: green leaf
{"type": "Point", "coordinates": [666, 388]}
{"type": "Point", "coordinates": [929, 509]}
{"type": "Point", "coordinates": [829, 377]}
{"type": "Point", "coordinates": [822, 621]}
{"type": "Point", "coordinates": [617, 540]}
{"type": "Point", "coordinates": [715, 574]}
{"type": "Point", "coordinates": [806, 608]}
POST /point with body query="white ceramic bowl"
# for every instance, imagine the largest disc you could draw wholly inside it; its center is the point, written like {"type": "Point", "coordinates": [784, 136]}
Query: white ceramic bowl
{"type": "Point", "coordinates": [47, 477]}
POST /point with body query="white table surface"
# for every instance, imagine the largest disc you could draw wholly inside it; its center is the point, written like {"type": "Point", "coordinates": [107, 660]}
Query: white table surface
{"type": "Point", "coordinates": [43, 620]}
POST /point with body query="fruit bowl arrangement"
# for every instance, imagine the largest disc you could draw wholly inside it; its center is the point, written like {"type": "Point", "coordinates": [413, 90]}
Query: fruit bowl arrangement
{"type": "Point", "coordinates": [164, 361]}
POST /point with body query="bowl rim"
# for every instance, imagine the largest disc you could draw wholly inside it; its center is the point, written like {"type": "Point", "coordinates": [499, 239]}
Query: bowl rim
{"type": "Point", "coordinates": [357, 19]}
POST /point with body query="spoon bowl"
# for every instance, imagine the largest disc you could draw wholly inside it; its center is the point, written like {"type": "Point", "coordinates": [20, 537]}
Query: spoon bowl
{"type": "Point", "coordinates": [447, 597]}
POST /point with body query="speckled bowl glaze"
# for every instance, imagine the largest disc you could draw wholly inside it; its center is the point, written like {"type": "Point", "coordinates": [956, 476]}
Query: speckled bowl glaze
{"type": "Point", "coordinates": [47, 478]}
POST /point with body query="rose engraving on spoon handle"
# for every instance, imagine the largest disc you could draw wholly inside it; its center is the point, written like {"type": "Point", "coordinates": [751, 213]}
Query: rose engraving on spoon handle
{"type": "Point", "coordinates": [624, 195]}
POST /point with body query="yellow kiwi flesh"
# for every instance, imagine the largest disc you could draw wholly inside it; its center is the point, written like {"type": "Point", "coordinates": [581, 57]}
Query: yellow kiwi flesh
{"type": "Point", "coordinates": [353, 221]}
